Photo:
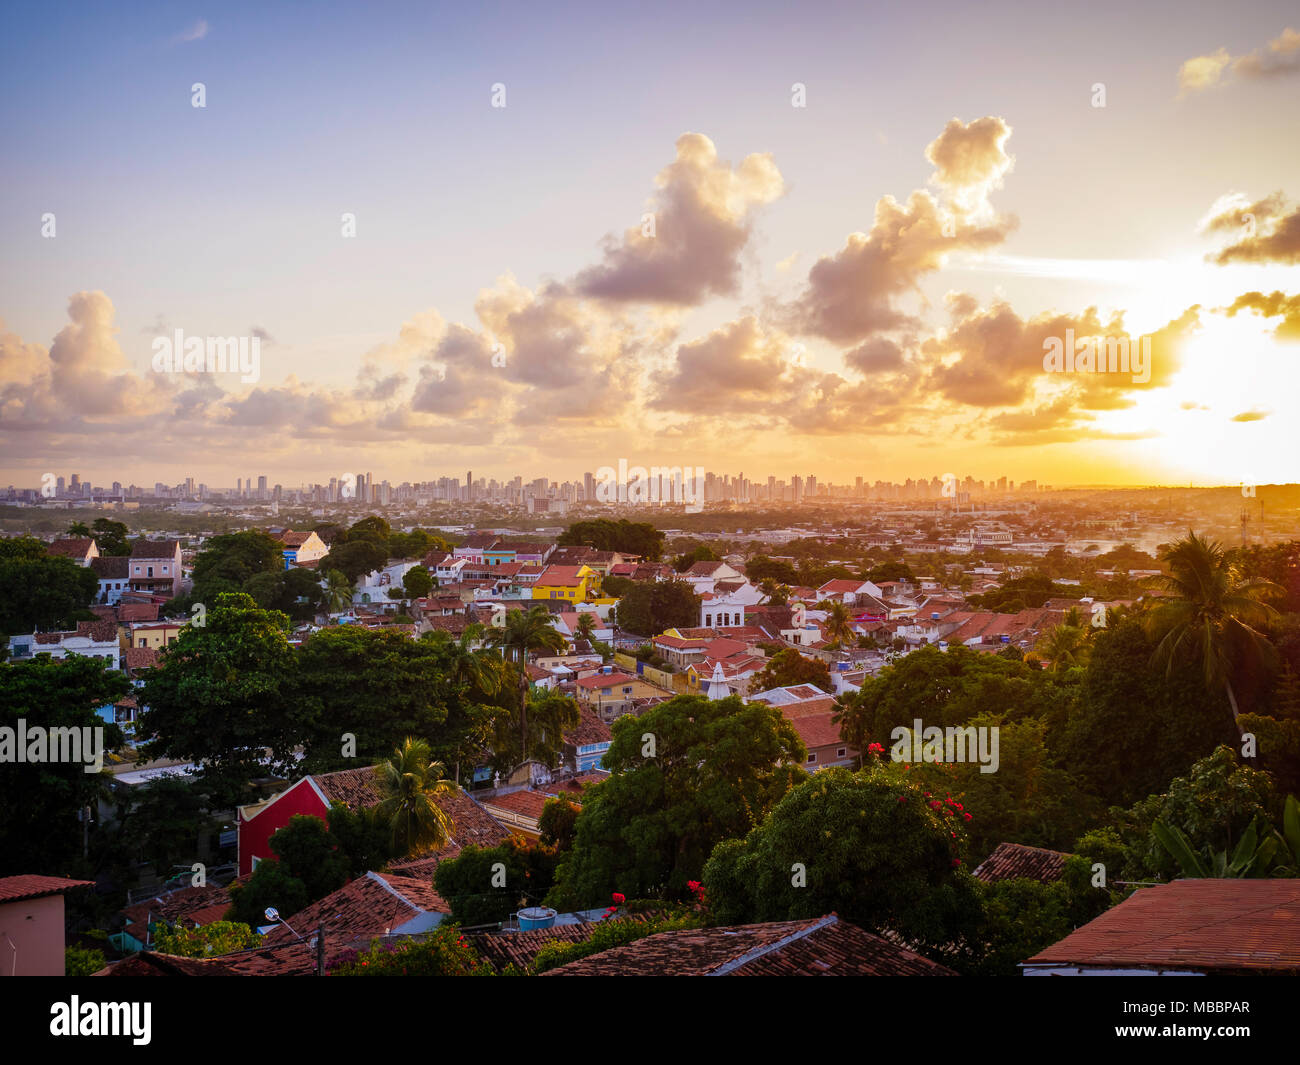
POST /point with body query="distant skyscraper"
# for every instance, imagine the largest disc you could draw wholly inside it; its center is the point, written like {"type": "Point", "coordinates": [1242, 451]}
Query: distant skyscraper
{"type": "Point", "coordinates": [261, 487]}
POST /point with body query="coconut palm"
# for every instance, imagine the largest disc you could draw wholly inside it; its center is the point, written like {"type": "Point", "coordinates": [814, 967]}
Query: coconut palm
{"type": "Point", "coordinates": [411, 783]}
{"type": "Point", "coordinates": [839, 624]}
{"type": "Point", "coordinates": [522, 635]}
{"type": "Point", "coordinates": [1209, 615]}
{"type": "Point", "coordinates": [338, 592]}
{"type": "Point", "coordinates": [472, 666]}
{"type": "Point", "coordinates": [586, 627]}
{"type": "Point", "coordinates": [1064, 646]}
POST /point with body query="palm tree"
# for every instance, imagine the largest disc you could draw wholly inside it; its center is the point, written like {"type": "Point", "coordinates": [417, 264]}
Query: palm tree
{"type": "Point", "coordinates": [586, 627]}
{"type": "Point", "coordinates": [338, 592]}
{"type": "Point", "coordinates": [412, 784]}
{"type": "Point", "coordinates": [1064, 646]}
{"type": "Point", "coordinates": [839, 624]}
{"type": "Point", "coordinates": [472, 666]}
{"type": "Point", "coordinates": [523, 634]}
{"type": "Point", "coordinates": [78, 528]}
{"type": "Point", "coordinates": [1209, 615]}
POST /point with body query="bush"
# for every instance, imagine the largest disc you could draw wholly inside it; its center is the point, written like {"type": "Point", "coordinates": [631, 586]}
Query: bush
{"type": "Point", "coordinates": [615, 932]}
{"type": "Point", "coordinates": [444, 952]}
{"type": "Point", "coordinates": [78, 961]}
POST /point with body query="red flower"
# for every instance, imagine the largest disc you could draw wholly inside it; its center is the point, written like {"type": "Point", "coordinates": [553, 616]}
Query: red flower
{"type": "Point", "coordinates": [875, 748]}
{"type": "Point", "coordinates": [619, 897]}
{"type": "Point", "coordinates": [927, 794]}
{"type": "Point", "coordinates": [956, 862]}
{"type": "Point", "coordinates": [935, 804]}
{"type": "Point", "coordinates": [958, 805]}
{"type": "Point", "coordinates": [967, 816]}
{"type": "Point", "coordinates": [902, 798]}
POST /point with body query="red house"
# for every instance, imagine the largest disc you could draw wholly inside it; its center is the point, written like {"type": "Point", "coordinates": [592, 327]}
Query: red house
{"type": "Point", "coordinates": [355, 788]}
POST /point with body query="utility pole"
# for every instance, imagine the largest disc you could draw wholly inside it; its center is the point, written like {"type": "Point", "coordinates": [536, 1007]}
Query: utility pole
{"type": "Point", "coordinates": [320, 951]}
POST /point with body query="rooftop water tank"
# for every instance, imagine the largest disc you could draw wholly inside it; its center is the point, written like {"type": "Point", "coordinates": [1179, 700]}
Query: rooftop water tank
{"type": "Point", "coordinates": [536, 917]}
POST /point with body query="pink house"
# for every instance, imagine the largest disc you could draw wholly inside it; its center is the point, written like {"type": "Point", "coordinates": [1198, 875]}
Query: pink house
{"type": "Point", "coordinates": [31, 924]}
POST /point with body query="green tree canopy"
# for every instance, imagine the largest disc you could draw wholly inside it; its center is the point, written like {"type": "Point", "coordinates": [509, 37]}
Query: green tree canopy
{"type": "Point", "coordinates": [41, 800]}
{"type": "Point", "coordinates": [685, 775]}
{"type": "Point", "coordinates": [788, 667]}
{"type": "Point", "coordinates": [636, 538]}
{"type": "Point", "coordinates": [222, 693]}
{"type": "Point", "coordinates": [40, 592]}
{"type": "Point", "coordinates": [867, 846]}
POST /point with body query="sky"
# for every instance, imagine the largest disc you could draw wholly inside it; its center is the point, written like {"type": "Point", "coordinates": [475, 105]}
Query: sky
{"type": "Point", "coordinates": [828, 239]}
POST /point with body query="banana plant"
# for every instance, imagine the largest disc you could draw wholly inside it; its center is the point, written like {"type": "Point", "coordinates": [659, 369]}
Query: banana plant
{"type": "Point", "coordinates": [1250, 858]}
{"type": "Point", "coordinates": [1288, 840]}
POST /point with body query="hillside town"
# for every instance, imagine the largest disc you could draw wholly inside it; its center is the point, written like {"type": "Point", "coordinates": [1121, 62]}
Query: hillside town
{"type": "Point", "coordinates": [312, 744]}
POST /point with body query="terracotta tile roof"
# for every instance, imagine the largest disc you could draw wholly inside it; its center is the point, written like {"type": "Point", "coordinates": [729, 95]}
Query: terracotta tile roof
{"type": "Point", "coordinates": [561, 577]}
{"type": "Point", "coordinates": [1014, 861]}
{"type": "Point", "coordinates": [1220, 926]}
{"type": "Point", "coordinates": [371, 905]}
{"type": "Point", "coordinates": [605, 680]}
{"type": "Point", "coordinates": [501, 949]}
{"type": "Point", "coordinates": [423, 868]}
{"type": "Point", "coordinates": [73, 547]}
{"type": "Point", "coordinates": [35, 886]}
{"type": "Point", "coordinates": [143, 548]}
{"type": "Point", "coordinates": [141, 658]}
{"type": "Point", "coordinates": [352, 787]}
{"type": "Point", "coordinates": [293, 539]}
{"type": "Point", "coordinates": [150, 963]}
{"type": "Point", "coordinates": [183, 907]}
{"type": "Point", "coordinates": [294, 958]}
{"type": "Point", "coordinates": [841, 949]}
{"type": "Point", "coordinates": [137, 612]}
{"type": "Point", "coordinates": [590, 729]}
{"type": "Point", "coordinates": [820, 947]}
{"type": "Point", "coordinates": [103, 630]}
{"type": "Point", "coordinates": [471, 823]}
{"type": "Point", "coordinates": [526, 803]}
{"type": "Point", "coordinates": [111, 567]}
{"type": "Point", "coordinates": [816, 730]}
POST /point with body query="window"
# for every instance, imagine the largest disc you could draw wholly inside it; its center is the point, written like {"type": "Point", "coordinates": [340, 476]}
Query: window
{"type": "Point", "coordinates": [812, 758]}
{"type": "Point", "coordinates": [841, 752]}
{"type": "Point", "coordinates": [150, 573]}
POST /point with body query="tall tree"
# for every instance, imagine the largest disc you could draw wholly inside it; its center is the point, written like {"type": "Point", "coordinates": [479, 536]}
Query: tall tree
{"type": "Point", "coordinates": [412, 784]}
{"type": "Point", "coordinates": [1209, 615]}
{"type": "Point", "coordinates": [685, 775]}
{"type": "Point", "coordinates": [222, 693]}
{"type": "Point", "coordinates": [522, 635]}
{"type": "Point", "coordinates": [42, 800]}
{"type": "Point", "coordinates": [40, 592]}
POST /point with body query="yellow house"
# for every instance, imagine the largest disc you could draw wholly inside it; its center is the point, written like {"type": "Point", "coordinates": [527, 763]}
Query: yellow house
{"type": "Point", "coordinates": [574, 584]}
{"type": "Point", "coordinates": [156, 634]}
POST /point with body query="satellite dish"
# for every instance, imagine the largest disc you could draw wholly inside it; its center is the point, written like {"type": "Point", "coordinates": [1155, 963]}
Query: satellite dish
{"type": "Point", "coordinates": [272, 914]}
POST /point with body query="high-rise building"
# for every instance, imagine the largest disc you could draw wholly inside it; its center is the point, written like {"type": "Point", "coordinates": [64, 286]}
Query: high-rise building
{"type": "Point", "coordinates": [261, 487]}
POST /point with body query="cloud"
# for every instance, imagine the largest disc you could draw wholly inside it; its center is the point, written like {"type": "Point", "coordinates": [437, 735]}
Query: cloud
{"type": "Point", "coordinates": [195, 33]}
{"type": "Point", "coordinates": [1280, 57]}
{"type": "Point", "coordinates": [1276, 305]}
{"type": "Point", "coordinates": [992, 357]}
{"type": "Point", "coordinates": [702, 218]}
{"type": "Point", "coordinates": [852, 295]}
{"type": "Point", "coordinates": [1268, 231]}
{"type": "Point", "coordinates": [740, 367]}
